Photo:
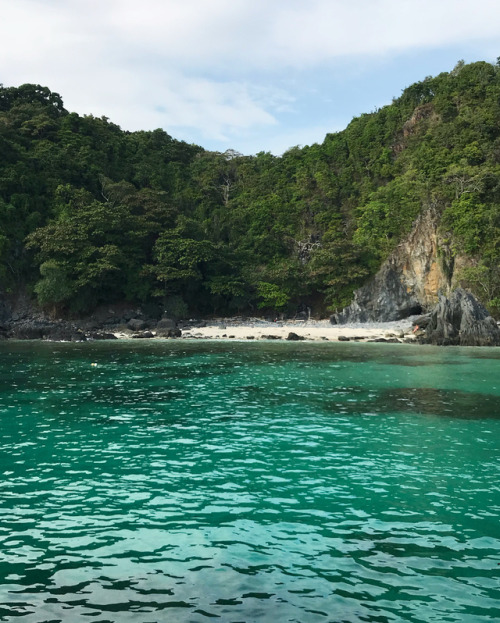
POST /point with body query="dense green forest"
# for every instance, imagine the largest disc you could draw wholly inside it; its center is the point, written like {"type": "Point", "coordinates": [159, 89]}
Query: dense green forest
{"type": "Point", "coordinates": [92, 214]}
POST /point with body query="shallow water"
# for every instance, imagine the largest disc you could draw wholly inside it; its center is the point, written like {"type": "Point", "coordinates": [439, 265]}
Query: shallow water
{"type": "Point", "coordinates": [178, 481]}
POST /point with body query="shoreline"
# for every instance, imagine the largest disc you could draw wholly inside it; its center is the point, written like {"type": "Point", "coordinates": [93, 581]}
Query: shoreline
{"type": "Point", "coordinates": [310, 330]}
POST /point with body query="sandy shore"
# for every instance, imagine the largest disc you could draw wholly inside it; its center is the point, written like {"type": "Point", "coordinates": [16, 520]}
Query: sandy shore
{"type": "Point", "coordinates": [320, 330]}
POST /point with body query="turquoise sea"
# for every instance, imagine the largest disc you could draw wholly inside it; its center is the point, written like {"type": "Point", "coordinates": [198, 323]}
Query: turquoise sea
{"type": "Point", "coordinates": [183, 481]}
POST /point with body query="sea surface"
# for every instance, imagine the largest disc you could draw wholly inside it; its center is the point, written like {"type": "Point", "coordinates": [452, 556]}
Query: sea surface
{"type": "Point", "coordinates": [186, 481]}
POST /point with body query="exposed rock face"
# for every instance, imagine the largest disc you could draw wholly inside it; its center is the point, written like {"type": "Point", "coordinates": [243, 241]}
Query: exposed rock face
{"type": "Point", "coordinates": [386, 297]}
{"type": "Point", "coordinates": [5, 311]}
{"type": "Point", "coordinates": [461, 320]}
{"type": "Point", "coordinates": [36, 329]}
{"type": "Point", "coordinates": [407, 283]}
{"type": "Point", "coordinates": [22, 319]}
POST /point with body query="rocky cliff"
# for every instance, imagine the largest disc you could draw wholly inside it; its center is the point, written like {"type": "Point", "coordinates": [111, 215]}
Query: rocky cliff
{"type": "Point", "coordinates": [460, 320]}
{"type": "Point", "coordinates": [408, 282]}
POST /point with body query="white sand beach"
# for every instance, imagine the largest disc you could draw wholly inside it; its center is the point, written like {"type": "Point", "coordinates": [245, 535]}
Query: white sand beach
{"type": "Point", "coordinates": [314, 330]}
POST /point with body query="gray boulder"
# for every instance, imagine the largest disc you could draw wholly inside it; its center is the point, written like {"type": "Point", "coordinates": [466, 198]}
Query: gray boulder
{"type": "Point", "coordinates": [143, 335]}
{"type": "Point", "coordinates": [136, 324]}
{"type": "Point", "coordinates": [169, 333]}
{"type": "Point", "coordinates": [165, 327]}
{"type": "Point", "coordinates": [293, 337]}
{"type": "Point", "coordinates": [461, 320]}
{"type": "Point", "coordinates": [57, 331]}
{"type": "Point", "coordinates": [29, 331]}
{"type": "Point", "coordinates": [422, 321]}
{"type": "Point", "coordinates": [101, 335]}
{"type": "Point", "coordinates": [38, 330]}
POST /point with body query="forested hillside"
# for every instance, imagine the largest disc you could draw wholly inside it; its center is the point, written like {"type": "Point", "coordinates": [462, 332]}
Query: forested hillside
{"type": "Point", "coordinates": [92, 214]}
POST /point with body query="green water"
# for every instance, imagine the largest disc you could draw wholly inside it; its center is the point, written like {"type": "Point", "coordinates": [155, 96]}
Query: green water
{"type": "Point", "coordinates": [182, 482]}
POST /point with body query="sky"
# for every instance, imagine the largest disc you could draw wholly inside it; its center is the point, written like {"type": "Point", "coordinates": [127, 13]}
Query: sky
{"type": "Point", "coordinates": [248, 75]}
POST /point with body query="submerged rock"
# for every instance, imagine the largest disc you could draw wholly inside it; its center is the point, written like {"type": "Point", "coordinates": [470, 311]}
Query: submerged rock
{"type": "Point", "coordinates": [461, 320]}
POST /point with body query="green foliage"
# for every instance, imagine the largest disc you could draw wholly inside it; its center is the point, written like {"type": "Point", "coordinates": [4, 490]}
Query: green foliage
{"type": "Point", "coordinates": [271, 296]}
{"type": "Point", "coordinates": [484, 281]}
{"type": "Point", "coordinates": [175, 306]}
{"type": "Point", "coordinates": [467, 217]}
{"type": "Point", "coordinates": [90, 214]}
{"type": "Point", "coordinates": [179, 258]}
{"type": "Point", "coordinates": [338, 267]}
{"type": "Point", "coordinates": [55, 287]}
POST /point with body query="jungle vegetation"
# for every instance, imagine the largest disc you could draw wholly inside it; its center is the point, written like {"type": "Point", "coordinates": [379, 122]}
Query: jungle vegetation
{"type": "Point", "coordinates": [92, 214]}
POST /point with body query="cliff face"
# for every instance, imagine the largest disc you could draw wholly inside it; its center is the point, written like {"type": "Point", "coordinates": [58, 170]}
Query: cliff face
{"type": "Point", "coordinates": [461, 320]}
{"type": "Point", "coordinates": [409, 280]}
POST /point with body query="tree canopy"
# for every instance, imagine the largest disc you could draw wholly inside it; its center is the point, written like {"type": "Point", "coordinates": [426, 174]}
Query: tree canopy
{"type": "Point", "coordinates": [91, 214]}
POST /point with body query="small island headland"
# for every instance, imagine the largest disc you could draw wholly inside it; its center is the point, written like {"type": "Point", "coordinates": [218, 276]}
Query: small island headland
{"type": "Point", "coordinates": [108, 233]}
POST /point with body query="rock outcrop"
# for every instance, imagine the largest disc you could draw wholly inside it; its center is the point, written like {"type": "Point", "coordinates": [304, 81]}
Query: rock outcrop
{"type": "Point", "coordinates": [167, 327]}
{"type": "Point", "coordinates": [136, 324]}
{"type": "Point", "coordinates": [461, 320]}
{"type": "Point", "coordinates": [294, 337]}
{"type": "Point", "coordinates": [407, 283]}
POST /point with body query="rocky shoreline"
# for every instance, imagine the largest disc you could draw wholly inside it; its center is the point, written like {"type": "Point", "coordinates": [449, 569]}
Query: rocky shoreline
{"type": "Point", "coordinates": [22, 321]}
{"type": "Point", "coordinates": [29, 328]}
{"type": "Point", "coordinates": [459, 320]}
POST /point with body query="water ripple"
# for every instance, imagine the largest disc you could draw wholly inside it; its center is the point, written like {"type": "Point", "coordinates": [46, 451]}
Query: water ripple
{"type": "Point", "coordinates": [249, 482]}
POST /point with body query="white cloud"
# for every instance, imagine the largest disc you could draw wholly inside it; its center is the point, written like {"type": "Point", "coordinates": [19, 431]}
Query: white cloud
{"type": "Point", "coordinates": [322, 30]}
{"type": "Point", "coordinates": [218, 109]}
{"type": "Point", "coordinates": [222, 68]}
{"type": "Point", "coordinates": [257, 32]}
